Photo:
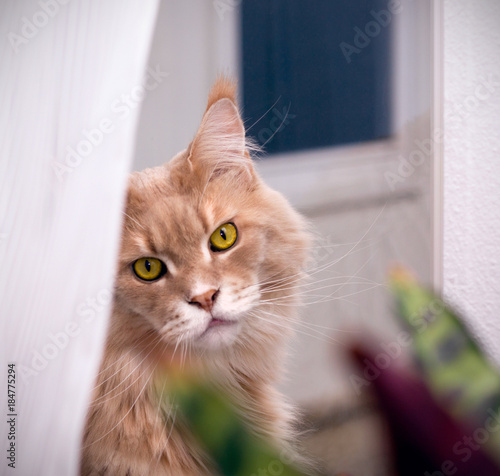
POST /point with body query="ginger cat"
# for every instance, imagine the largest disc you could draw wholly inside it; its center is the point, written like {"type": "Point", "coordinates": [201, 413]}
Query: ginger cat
{"type": "Point", "coordinates": [209, 262]}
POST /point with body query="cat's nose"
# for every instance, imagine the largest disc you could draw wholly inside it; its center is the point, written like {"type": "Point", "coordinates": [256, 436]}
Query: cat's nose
{"type": "Point", "coordinates": [206, 300]}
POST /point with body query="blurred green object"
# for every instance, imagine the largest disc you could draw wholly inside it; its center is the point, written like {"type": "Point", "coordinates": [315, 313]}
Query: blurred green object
{"type": "Point", "coordinates": [455, 369]}
{"type": "Point", "coordinates": [212, 419]}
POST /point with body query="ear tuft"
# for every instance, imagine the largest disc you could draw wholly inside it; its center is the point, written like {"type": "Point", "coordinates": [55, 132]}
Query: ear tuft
{"type": "Point", "coordinates": [223, 87]}
{"type": "Point", "coordinates": [220, 146]}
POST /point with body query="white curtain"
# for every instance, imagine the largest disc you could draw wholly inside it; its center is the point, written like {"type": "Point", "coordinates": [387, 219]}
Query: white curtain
{"type": "Point", "coordinates": [72, 77]}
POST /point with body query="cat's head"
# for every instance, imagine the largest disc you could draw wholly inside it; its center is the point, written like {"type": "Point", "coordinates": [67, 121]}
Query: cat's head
{"type": "Point", "coordinates": [210, 254]}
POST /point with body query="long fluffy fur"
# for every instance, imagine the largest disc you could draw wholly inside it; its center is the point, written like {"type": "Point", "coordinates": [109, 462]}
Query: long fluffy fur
{"type": "Point", "coordinates": [171, 212]}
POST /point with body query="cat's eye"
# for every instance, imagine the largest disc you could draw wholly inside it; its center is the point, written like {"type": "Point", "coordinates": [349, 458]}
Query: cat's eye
{"type": "Point", "coordinates": [149, 269]}
{"type": "Point", "coordinates": [224, 237]}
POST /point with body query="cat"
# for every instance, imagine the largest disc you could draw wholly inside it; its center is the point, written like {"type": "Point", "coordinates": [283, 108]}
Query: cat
{"type": "Point", "coordinates": [209, 260]}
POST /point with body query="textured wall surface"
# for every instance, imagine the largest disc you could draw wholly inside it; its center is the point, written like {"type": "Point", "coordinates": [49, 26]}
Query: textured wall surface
{"type": "Point", "coordinates": [472, 165]}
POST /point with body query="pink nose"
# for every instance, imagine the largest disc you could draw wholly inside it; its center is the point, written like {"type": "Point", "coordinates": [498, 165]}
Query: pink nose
{"type": "Point", "coordinates": [206, 300]}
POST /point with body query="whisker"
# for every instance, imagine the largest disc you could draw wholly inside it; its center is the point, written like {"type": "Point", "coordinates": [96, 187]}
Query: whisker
{"type": "Point", "coordinates": [279, 127]}
{"type": "Point", "coordinates": [123, 380]}
{"type": "Point", "coordinates": [178, 341]}
{"type": "Point", "coordinates": [122, 357]}
{"type": "Point", "coordinates": [308, 283]}
{"type": "Point", "coordinates": [126, 414]}
{"type": "Point", "coordinates": [310, 325]}
{"type": "Point", "coordinates": [339, 285]}
{"type": "Point", "coordinates": [134, 220]}
{"type": "Point", "coordinates": [263, 115]}
{"type": "Point", "coordinates": [158, 338]}
{"type": "Point", "coordinates": [309, 273]}
{"type": "Point", "coordinates": [324, 337]}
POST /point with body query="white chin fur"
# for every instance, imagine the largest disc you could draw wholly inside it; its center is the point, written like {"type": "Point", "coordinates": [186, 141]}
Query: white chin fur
{"type": "Point", "coordinates": [218, 337]}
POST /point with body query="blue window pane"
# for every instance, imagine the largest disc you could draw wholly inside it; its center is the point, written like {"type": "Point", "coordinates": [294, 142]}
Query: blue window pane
{"type": "Point", "coordinates": [325, 62]}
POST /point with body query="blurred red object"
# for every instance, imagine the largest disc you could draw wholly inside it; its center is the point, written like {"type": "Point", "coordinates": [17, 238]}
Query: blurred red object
{"type": "Point", "coordinates": [423, 434]}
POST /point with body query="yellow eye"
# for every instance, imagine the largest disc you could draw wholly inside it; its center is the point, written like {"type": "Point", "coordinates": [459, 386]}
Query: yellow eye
{"type": "Point", "coordinates": [224, 237]}
{"type": "Point", "coordinates": [149, 269]}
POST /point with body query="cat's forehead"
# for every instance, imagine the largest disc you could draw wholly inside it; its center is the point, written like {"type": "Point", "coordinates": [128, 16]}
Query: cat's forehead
{"type": "Point", "coordinates": [168, 221]}
{"type": "Point", "coordinates": [165, 219]}
{"type": "Point", "coordinates": [157, 197]}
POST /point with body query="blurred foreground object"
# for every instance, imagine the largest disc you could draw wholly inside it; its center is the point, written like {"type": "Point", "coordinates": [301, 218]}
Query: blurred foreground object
{"type": "Point", "coordinates": [215, 423]}
{"type": "Point", "coordinates": [448, 422]}
{"type": "Point", "coordinates": [455, 369]}
{"type": "Point", "coordinates": [426, 440]}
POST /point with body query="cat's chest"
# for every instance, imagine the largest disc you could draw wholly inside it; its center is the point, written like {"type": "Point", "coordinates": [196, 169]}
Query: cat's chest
{"type": "Point", "coordinates": [144, 435]}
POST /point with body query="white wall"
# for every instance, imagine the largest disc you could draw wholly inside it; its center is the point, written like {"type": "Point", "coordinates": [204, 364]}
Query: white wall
{"type": "Point", "coordinates": [471, 248]}
{"type": "Point", "coordinates": [192, 42]}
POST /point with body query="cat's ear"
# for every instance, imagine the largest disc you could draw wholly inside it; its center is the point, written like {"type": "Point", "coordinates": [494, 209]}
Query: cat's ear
{"type": "Point", "coordinates": [220, 146]}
